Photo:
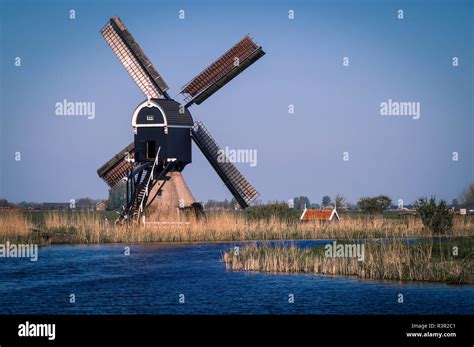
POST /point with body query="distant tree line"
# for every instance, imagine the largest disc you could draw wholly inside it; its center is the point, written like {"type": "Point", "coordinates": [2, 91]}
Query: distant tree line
{"type": "Point", "coordinates": [116, 201]}
{"type": "Point", "coordinates": [370, 205]}
{"type": "Point", "coordinates": [79, 204]}
{"type": "Point", "coordinates": [467, 197]}
{"type": "Point", "coordinates": [5, 204]}
{"type": "Point", "coordinates": [376, 204]}
{"type": "Point", "coordinates": [301, 202]}
{"type": "Point", "coordinates": [279, 210]}
{"type": "Point", "coordinates": [221, 205]}
{"type": "Point", "coordinates": [436, 217]}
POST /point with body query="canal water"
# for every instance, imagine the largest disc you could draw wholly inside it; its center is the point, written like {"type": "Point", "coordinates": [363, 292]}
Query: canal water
{"type": "Point", "coordinates": [154, 278]}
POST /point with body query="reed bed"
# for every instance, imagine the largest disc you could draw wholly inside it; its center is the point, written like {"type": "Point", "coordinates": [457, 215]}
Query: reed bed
{"type": "Point", "coordinates": [15, 226]}
{"type": "Point", "coordinates": [394, 260]}
{"type": "Point", "coordinates": [93, 227]}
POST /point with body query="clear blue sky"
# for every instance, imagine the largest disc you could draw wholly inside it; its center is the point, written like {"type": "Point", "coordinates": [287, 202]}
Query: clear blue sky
{"type": "Point", "coordinates": [336, 107]}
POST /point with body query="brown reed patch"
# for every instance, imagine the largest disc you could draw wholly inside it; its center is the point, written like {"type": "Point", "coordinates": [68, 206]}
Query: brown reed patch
{"type": "Point", "coordinates": [90, 227]}
{"type": "Point", "coordinates": [14, 225]}
{"type": "Point", "coordinates": [394, 260]}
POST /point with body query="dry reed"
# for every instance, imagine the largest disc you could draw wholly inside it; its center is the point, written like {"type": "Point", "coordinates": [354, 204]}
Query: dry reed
{"type": "Point", "coordinates": [394, 260]}
{"type": "Point", "coordinates": [89, 227]}
{"type": "Point", "coordinates": [15, 226]}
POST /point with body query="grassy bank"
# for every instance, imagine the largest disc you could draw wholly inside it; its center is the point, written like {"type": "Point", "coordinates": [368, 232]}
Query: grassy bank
{"type": "Point", "coordinates": [429, 260]}
{"type": "Point", "coordinates": [96, 227]}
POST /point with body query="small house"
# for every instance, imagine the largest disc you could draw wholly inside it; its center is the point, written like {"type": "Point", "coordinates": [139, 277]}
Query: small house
{"type": "Point", "coordinates": [310, 214]}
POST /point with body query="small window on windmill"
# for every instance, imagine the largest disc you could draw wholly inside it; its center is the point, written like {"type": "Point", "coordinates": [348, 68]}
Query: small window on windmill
{"type": "Point", "coordinates": [150, 149]}
{"type": "Point", "coordinates": [150, 117]}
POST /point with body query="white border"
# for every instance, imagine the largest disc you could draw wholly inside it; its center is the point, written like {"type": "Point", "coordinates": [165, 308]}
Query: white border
{"type": "Point", "coordinates": [147, 103]}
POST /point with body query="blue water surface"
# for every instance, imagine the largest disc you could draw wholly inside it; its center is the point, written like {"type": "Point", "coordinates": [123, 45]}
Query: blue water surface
{"type": "Point", "coordinates": [151, 279]}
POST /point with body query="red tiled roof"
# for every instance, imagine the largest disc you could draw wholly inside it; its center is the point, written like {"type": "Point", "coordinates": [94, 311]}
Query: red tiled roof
{"type": "Point", "coordinates": [311, 214]}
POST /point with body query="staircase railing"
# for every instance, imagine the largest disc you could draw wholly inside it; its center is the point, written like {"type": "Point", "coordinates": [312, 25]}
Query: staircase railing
{"type": "Point", "coordinates": [150, 179]}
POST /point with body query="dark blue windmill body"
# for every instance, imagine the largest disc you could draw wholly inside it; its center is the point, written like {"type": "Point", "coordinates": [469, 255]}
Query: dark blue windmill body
{"type": "Point", "coordinates": [164, 124]}
{"type": "Point", "coordinates": [163, 130]}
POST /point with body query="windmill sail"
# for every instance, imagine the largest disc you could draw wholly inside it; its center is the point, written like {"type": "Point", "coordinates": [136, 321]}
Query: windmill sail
{"type": "Point", "coordinates": [133, 59]}
{"type": "Point", "coordinates": [223, 70]}
{"type": "Point", "coordinates": [240, 188]}
{"type": "Point", "coordinates": [118, 167]}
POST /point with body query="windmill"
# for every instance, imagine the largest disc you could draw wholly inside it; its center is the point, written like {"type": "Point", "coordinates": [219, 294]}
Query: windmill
{"type": "Point", "coordinates": [163, 131]}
